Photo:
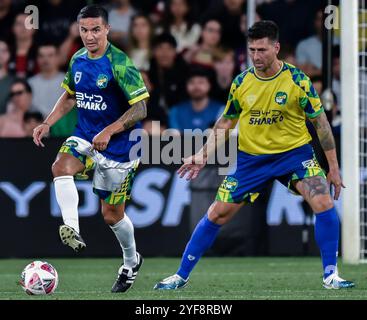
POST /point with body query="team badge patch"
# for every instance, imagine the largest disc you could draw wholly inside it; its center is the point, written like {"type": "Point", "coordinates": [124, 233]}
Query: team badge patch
{"type": "Point", "coordinates": [309, 164]}
{"type": "Point", "coordinates": [102, 81]}
{"type": "Point", "coordinates": [251, 99]}
{"type": "Point", "coordinates": [77, 77]}
{"type": "Point", "coordinates": [71, 143]}
{"type": "Point", "coordinates": [230, 184]}
{"type": "Point", "coordinates": [281, 98]}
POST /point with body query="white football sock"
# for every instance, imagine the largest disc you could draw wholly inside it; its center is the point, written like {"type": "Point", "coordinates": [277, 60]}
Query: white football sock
{"type": "Point", "coordinates": [67, 197]}
{"type": "Point", "coordinates": [124, 231]}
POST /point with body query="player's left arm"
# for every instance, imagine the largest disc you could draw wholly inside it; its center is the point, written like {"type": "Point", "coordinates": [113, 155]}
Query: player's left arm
{"type": "Point", "coordinates": [327, 142]}
{"type": "Point", "coordinates": [132, 85]}
{"type": "Point", "coordinates": [136, 113]}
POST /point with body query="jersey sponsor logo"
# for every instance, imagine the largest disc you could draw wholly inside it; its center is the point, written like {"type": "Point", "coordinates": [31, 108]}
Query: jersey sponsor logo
{"type": "Point", "coordinates": [281, 98]}
{"type": "Point", "coordinates": [102, 81]}
{"type": "Point", "coordinates": [77, 77]}
{"type": "Point", "coordinates": [259, 117]}
{"type": "Point", "coordinates": [90, 102]}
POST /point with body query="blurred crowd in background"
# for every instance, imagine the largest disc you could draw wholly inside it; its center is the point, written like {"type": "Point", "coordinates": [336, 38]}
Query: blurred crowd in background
{"type": "Point", "coordinates": [187, 51]}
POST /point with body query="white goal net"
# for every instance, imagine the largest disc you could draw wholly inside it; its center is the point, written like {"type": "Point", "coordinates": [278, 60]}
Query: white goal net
{"type": "Point", "coordinates": [354, 129]}
{"type": "Point", "coordinates": [362, 53]}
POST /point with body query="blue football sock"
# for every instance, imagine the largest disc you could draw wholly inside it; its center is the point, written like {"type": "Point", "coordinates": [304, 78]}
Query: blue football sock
{"type": "Point", "coordinates": [327, 238]}
{"type": "Point", "coordinates": [201, 240]}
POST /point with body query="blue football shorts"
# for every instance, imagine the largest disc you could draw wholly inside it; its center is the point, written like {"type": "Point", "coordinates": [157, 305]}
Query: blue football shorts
{"type": "Point", "coordinates": [254, 172]}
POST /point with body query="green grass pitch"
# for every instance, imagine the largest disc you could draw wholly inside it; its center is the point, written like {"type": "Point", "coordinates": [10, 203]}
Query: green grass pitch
{"type": "Point", "coordinates": [213, 278]}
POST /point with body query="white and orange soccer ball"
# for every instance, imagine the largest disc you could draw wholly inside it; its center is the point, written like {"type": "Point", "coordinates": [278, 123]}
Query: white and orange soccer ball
{"type": "Point", "coordinates": [39, 277]}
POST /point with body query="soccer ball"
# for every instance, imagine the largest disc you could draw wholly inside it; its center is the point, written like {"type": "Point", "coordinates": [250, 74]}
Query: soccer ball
{"type": "Point", "coordinates": [38, 278]}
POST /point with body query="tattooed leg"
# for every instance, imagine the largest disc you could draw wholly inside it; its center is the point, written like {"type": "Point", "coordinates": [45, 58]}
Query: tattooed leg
{"type": "Point", "coordinates": [315, 190]}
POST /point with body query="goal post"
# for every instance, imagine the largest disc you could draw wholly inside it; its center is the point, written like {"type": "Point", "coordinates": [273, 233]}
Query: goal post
{"type": "Point", "coordinates": [350, 140]}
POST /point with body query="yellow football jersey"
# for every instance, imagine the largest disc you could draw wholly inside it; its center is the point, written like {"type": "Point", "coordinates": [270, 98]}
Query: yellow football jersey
{"type": "Point", "coordinates": [272, 111]}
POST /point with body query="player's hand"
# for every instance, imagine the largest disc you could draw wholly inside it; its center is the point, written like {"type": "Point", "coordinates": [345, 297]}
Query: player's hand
{"type": "Point", "coordinates": [39, 132]}
{"type": "Point", "coordinates": [192, 166]}
{"type": "Point", "coordinates": [101, 140]}
{"type": "Point", "coordinates": [333, 178]}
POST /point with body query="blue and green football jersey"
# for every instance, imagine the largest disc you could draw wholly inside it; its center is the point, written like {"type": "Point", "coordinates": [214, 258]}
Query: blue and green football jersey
{"type": "Point", "coordinates": [104, 88]}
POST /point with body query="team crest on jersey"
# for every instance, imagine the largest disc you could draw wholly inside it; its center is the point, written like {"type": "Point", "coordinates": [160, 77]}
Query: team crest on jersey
{"type": "Point", "coordinates": [102, 81]}
{"type": "Point", "coordinates": [71, 143]}
{"type": "Point", "coordinates": [77, 77]}
{"type": "Point", "coordinates": [230, 184]}
{"type": "Point", "coordinates": [309, 164]}
{"type": "Point", "coordinates": [251, 99]}
{"type": "Point", "coordinates": [281, 98]}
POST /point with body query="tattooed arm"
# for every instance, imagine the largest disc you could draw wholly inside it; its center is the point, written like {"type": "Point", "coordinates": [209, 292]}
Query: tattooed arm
{"type": "Point", "coordinates": [327, 142]}
{"type": "Point", "coordinates": [326, 138]}
{"type": "Point", "coordinates": [137, 112]}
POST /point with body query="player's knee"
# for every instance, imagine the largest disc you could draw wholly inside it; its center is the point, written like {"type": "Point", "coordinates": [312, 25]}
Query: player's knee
{"type": "Point", "coordinates": [111, 215]}
{"type": "Point", "coordinates": [322, 204]}
{"type": "Point", "coordinates": [58, 169]}
{"type": "Point", "coordinates": [218, 218]}
{"type": "Point", "coordinates": [110, 220]}
{"type": "Point", "coordinates": [218, 215]}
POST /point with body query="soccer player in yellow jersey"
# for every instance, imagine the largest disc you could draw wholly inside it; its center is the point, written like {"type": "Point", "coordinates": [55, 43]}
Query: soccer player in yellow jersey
{"type": "Point", "coordinates": [270, 102]}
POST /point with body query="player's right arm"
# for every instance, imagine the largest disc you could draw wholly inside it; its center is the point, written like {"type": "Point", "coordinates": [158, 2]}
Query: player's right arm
{"type": "Point", "coordinates": [63, 105]}
{"type": "Point", "coordinates": [220, 133]}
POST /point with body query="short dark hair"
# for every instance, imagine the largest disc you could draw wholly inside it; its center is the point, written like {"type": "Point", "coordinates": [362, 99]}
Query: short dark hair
{"type": "Point", "coordinates": [93, 11]}
{"type": "Point", "coordinates": [47, 44]}
{"type": "Point", "coordinates": [165, 38]}
{"type": "Point", "coordinates": [198, 71]}
{"type": "Point", "coordinates": [36, 115]}
{"type": "Point", "coordinates": [24, 82]}
{"type": "Point", "coordinates": [264, 29]}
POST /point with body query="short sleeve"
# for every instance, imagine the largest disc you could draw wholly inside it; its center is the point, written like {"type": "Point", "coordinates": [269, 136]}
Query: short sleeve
{"type": "Point", "coordinates": [309, 100]}
{"type": "Point", "coordinates": [68, 82]}
{"type": "Point", "coordinates": [130, 81]}
{"type": "Point", "coordinates": [232, 109]}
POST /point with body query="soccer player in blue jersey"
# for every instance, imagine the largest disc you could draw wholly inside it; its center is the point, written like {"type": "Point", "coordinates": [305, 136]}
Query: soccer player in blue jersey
{"type": "Point", "coordinates": [109, 94]}
{"type": "Point", "coordinates": [270, 102]}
